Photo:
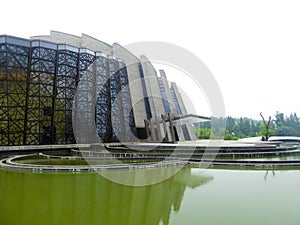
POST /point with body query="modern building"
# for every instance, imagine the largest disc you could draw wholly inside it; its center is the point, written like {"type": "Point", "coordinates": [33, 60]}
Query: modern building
{"type": "Point", "coordinates": [54, 86]}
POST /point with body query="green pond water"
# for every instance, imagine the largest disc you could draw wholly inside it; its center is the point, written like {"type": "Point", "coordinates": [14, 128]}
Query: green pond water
{"type": "Point", "coordinates": [192, 196]}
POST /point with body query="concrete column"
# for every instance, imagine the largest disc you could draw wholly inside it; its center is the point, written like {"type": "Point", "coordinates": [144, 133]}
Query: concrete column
{"type": "Point", "coordinates": [135, 83]}
{"type": "Point", "coordinates": [180, 133]}
{"type": "Point", "coordinates": [152, 86]}
{"type": "Point", "coordinates": [147, 128]}
{"type": "Point", "coordinates": [159, 135]}
{"type": "Point", "coordinates": [165, 128]}
{"type": "Point", "coordinates": [153, 135]}
{"type": "Point", "coordinates": [191, 131]}
{"type": "Point", "coordinates": [172, 128]}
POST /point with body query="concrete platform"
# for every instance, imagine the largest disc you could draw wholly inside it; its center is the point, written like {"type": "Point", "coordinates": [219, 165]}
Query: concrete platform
{"type": "Point", "coordinates": [198, 153]}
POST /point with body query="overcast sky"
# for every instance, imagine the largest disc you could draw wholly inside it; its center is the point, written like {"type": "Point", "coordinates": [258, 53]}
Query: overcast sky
{"type": "Point", "coordinates": [251, 47]}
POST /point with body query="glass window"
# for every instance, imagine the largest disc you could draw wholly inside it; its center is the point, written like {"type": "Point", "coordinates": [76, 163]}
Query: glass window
{"type": "Point", "coordinates": [35, 43]}
{"type": "Point", "coordinates": [68, 47]}
{"type": "Point", "coordinates": [2, 39]}
{"type": "Point", "coordinates": [112, 57]}
{"type": "Point", "coordinates": [85, 50]}
{"type": "Point", "coordinates": [18, 41]}
{"type": "Point", "coordinates": [62, 47]}
{"type": "Point", "coordinates": [48, 45]}
{"type": "Point", "coordinates": [71, 48]}
{"type": "Point", "coordinates": [101, 54]}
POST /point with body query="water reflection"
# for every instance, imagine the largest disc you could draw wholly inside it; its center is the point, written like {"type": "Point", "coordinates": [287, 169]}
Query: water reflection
{"type": "Point", "coordinates": [266, 174]}
{"type": "Point", "coordinates": [88, 199]}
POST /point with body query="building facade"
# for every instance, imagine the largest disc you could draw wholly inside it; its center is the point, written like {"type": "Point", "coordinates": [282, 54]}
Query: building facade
{"type": "Point", "coordinates": [47, 81]}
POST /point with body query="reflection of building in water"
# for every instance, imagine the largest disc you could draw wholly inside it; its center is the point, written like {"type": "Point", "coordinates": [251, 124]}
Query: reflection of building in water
{"type": "Point", "coordinates": [39, 78]}
{"type": "Point", "coordinates": [90, 199]}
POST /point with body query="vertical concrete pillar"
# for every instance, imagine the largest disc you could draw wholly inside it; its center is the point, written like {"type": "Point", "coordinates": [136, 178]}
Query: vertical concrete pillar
{"type": "Point", "coordinates": [153, 135]}
{"type": "Point", "coordinates": [165, 128]}
{"type": "Point", "coordinates": [147, 128]}
{"type": "Point", "coordinates": [192, 132]}
{"type": "Point", "coordinates": [172, 127]}
{"type": "Point", "coordinates": [180, 133]}
{"type": "Point", "coordinates": [159, 135]}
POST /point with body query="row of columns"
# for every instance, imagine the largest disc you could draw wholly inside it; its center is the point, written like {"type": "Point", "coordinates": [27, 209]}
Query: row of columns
{"type": "Point", "coordinates": [153, 128]}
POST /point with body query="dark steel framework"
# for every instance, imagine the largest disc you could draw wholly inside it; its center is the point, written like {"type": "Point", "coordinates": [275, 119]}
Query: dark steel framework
{"type": "Point", "coordinates": [38, 82]}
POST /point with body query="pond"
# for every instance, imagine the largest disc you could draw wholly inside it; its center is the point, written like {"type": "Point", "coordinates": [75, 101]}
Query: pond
{"type": "Point", "coordinates": [192, 196]}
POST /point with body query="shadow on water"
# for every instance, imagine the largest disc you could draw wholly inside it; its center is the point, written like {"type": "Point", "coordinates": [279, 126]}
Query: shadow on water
{"type": "Point", "coordinates": [90, 199]}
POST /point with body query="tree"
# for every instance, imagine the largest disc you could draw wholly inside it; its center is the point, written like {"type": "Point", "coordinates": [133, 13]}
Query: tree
{"type": "Point", "coordinates": [287, 126]}
{"type": "Point", "coordinates": [230, 136]}
{"type": "Point", "coordinates": [264, 134]}
{"type": "Point", "coordinates": [266, 127]}
{"type": "Point", "coordinates": [254, 128]}
{"type": "Point", "coordinates": [244, 125]}
{"type": "Point", "coordinates": [203, 133]}
{"type": "Point", "coordinates": [279, 119]}
{"type": "Point", "coordinates": [230, 123]}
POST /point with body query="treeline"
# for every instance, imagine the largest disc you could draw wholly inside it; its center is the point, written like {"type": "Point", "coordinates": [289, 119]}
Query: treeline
{"type": "Point", "coordinates": [235, 128]}
{"type": "Point", "coordinates": [286, 126]}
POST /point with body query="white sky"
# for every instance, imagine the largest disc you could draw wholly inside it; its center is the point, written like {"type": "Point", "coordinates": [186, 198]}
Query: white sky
{"type": "Point", "coordinates": [251, 47]}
